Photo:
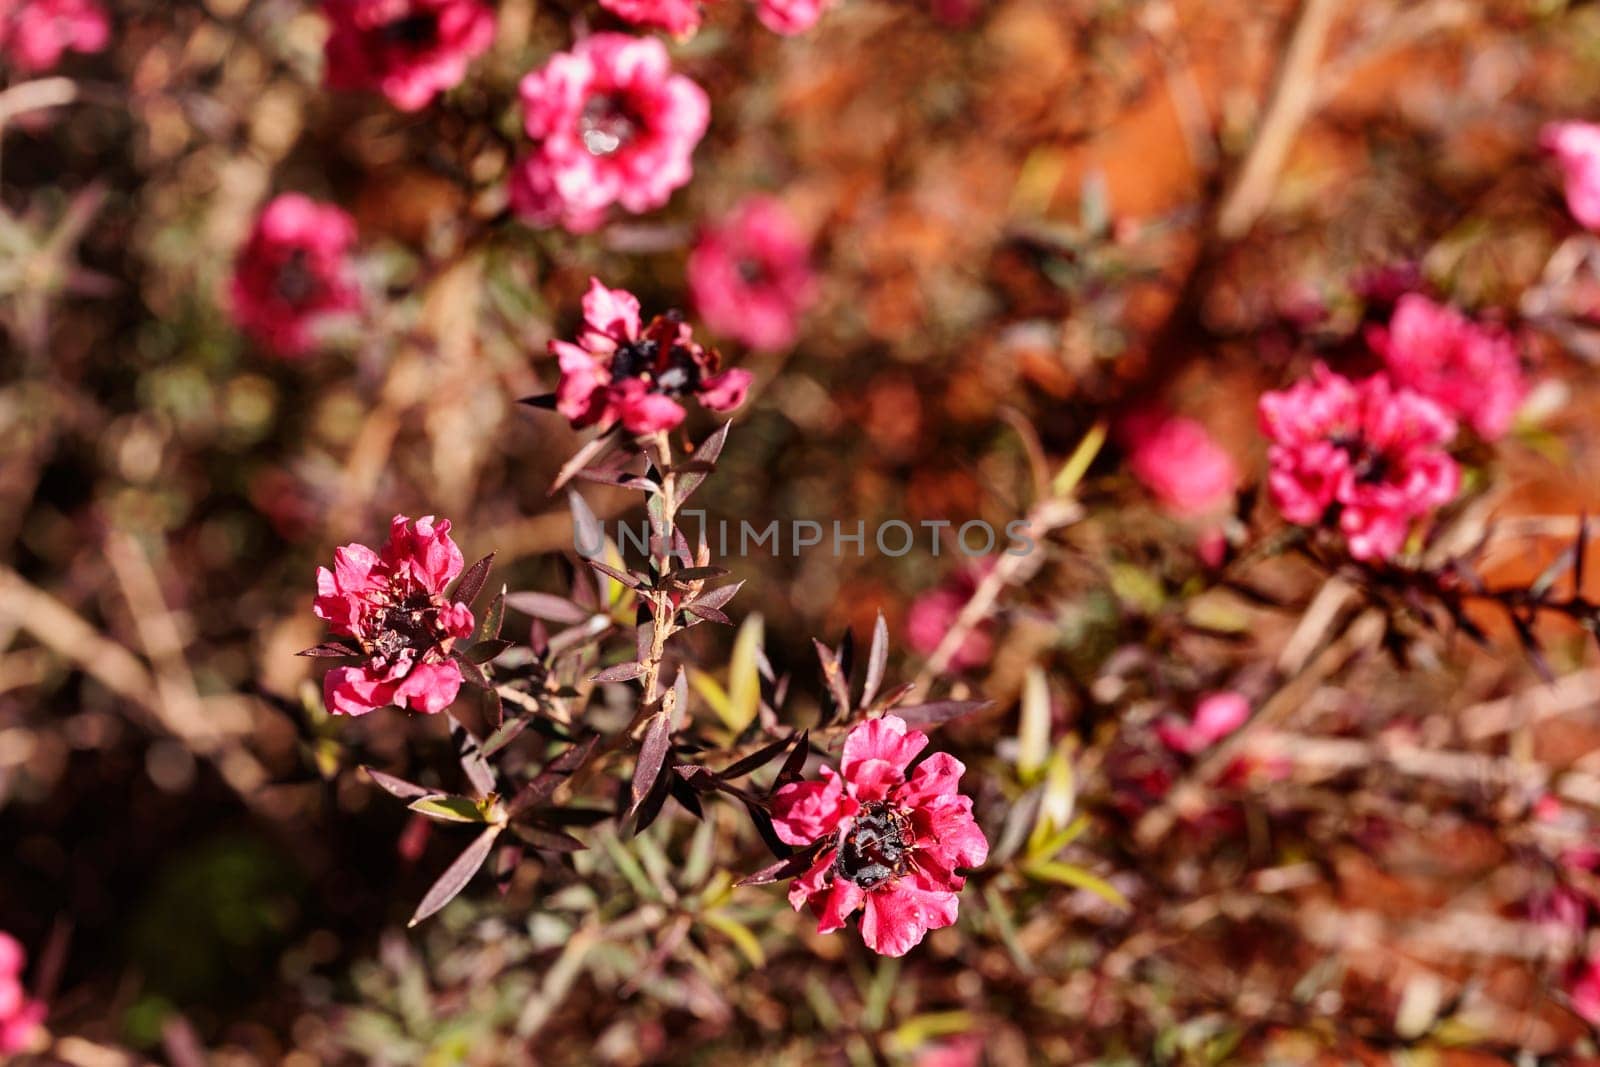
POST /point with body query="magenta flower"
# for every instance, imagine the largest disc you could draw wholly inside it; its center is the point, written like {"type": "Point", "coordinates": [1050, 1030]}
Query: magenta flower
{"type": "Point", "coordinates": [34, 34]}
{"type": "Point", "coordinates": [612, 125]}
{"type": "Point", "coordinates": [292, 273]}
{"type": "Point", "coordinates": [933, 613]}
{"type": "Point", "coordinates": [1184, 468]}
{"type": "Point", "coordinates": [1576, 146]}
{"type": "Point", "coordinates": [681, 18]}
{"type": "Point", "coordinates": [750, 275]}
{"type": "Point", "coordinates": [19, 1016]}
{"type": "Point", "coordinates": [888, 844]}
{"type": "Point", "coordinates": [1469, 369]}
{"type": "Point", "coordinates": [1366, 455]}
{"type": "Point", "coordinates": [619, 371]}
{"type": "Point", "coordinates": [409, 50]}
{"type": "Point", "coordinates": [789, 17]}
{"type": "Point", "coordinates": [1216, 716]}
{"type": "Point", "coordinates": [393, 605]}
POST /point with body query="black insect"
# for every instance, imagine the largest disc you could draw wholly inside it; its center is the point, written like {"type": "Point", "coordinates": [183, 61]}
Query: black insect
{"type": "Point", "coordinates": [876, 848]}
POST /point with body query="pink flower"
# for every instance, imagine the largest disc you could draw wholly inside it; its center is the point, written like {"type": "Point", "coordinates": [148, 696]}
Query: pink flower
{"type": "Point", "coordinates": [681, 18]}
{"type": "Point", "coordinates": [409, 50]}
{"type": "Point", "coordinates": [620, 371]}
{"type": "Point", "coordinates": [293, 272]}
{"type": "Point", "coordinates": [965, 1050]}
{"type": "Point", "coordinates": [750, 277]}
{"type": "Point", "coordinates": [1180, 463]}
{"type": "Point", "coordinates": [393, 605]}
{"type": "Point", "coordinates": [887, 844]}
{"type": "Point", "coordinates": [1576, 146]}
{"type": "Point", "coordinates": [789, 17]}
{"type": "Point", "coordinates": [932, 614]}
{"type": "Point", "coordinates": [19, 1016]}
{"type": "Point", "coordinates": [1468, 369]}
{"type": "Point", "coordinates": [612, 125]}
{"type": "Point", "coordinates": [35, 33]}
{"type": "Point", "coordinates": [1365, 454]}
{"type": "Point", "coordinates": [1215, 717]}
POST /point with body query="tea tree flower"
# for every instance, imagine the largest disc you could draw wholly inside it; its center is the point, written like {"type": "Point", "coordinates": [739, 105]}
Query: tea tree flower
{"type": "Point", "coordinates": [1469, 369]}
{"type": "Point", "coordinates": [889, 844]}
{"type": "Point", "coordinates": [681, 18]}
{"type": "Point", "coordinates": [35, 34]}
{"type": "Point", "coordinates": [611, 124]}
{"type": "Point", "coordinates": [749, 275]}
{"type": "Point", "coordinates": [622, 371]}
{"type": "Point", "coordinates": [293, 272]}
{"type": "Point", "coordinates": [409, 50]}
{"type": "Point", "coordinates": [934, 612]}
{"type": "Point", "coordinates": [1216, 716]}
{"type": "Point", "coordinates": [19, 1016]}
{"type": "Point", "coordinates": [1576, 146]}
{"type": "Point", "coordinates": [393, 604]}
{"type": "Point", "coordinates": [1366, 456]}
{"type": "Point", "coordinates": [789, 17]}
{"type": "Point", "coordinates": [1184, 468]}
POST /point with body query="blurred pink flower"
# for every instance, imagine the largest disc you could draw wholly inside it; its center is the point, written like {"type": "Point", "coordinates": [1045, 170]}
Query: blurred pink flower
{"type": "Point", "coordinates": [1469, 369]}
{"type": "Point", "coordinates": [1181, 464]}
{"type": "Point", "coordinates": [750, 276]}
{"type": "Point", "coordinates": [1216, 716]}
{"type": "Point", "coordinates": [681, 18]}
{"type": "Point", "coordinates": [35, 33]}
{"type": "Point", "coordinates": [621, 371]}
{"type": "Point", "coordinates": [394, 605]}
{"type": "Point", "coordinates": [957, 13]}
{"type": "Point", "coordinates": [1576, 146]}
{"type": "Point", "coordinates": [612, 125]}
{"type": "Point", "coordinates": [965, 1050]}
{"type": "Point", "coordinates": [934, 612]}
{"type": "Point", "coordinates": [789, 17]}
{"type": "Point", "coordinates": [890, 845]}
{"type": "Point", "coordinates": [1364, 454]}
{"type": "Point", "coordinates": [19, 1016]}
{"type": "Point", "coordinates": [409, 50]}
{"type": "Point", "coordinates": [292, 272]}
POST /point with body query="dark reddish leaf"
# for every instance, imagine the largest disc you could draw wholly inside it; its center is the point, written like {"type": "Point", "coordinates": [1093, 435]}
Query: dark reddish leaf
{"type": "Point", "coordinates": [471, 583]}
{"type": "Point", "coordinates": [545, 401]}
{"type": "Point", "coordinates": [555, 772]}
{"type": "Point", "coordinates": [769, 836]}
{"type": "Point", "coordinates": [457, 875]}
{"type": "Point", "coordinates": [547, 606]}
{"type": "Point", "coordinates": [484, 651]}
{"type": "Point", "coordinates": [547, 840]}
{"type": "Point", "coordinates": [471, 673]}
{"type": "Point", "coordinates": [877, 661]}
{"type": "Point", "coordinates": [940, 711]}
{"type": "Point", "coordinates": [505, 866]}
{"type": "Point", "coordinates": [709, 450]}
{"type": "Point", "coordinates": [652, 754]}
{"type": "Point", "coordinates": [717, 598]}
{"type": "Point", "coordinates": [686, 796]}
{"type": "Point", "coordinates": [622, 672]}
{"type": "Point", "coordinates": [507, 733]}
{"type": "Point", "coordinates": [895, 695]}
{"type": "Point", "coordinates": [686, 575]}
{"type": "Point", "coordinates": [788, 867]}
{"type": "Point", "coordinates": [756, 760]}
{"type": "Point", "coordinates": [582, 458]}
{"type": "Point", "coordinates": [700, 611]}
{"type": "Point", "coordinates": [833, 675]}
{"type": "Point", "coordinates": [397, 787]}
{"type": "Point", "coordinates": [795, 765]}
{"type": "Point", "coordinates": [330, 649]}
{"type": "Point", "coordinates": [632, 581]}
{"type": "Point", "coordinates": [469, 753]}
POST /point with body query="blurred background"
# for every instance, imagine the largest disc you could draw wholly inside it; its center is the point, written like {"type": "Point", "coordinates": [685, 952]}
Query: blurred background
{"type": "Point", "coordinates": [1025, 217]}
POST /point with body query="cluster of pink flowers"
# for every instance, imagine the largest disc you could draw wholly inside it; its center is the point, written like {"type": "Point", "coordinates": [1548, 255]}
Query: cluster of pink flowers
{"type": "Point", "coordinates": [1188, 473]}
{"type": "Point", "coordinates": [612, 124]}
{"type": "Point", "coordinates": [889, 844]}
{"type": "Point", "coordinates": [621, 370]}
{"type": "Point", "coordinates": [681, 18]}
{"type": "Point", "coordinates": [1576, 146]}
{"type": "Point", "coordinates": [393, 604]}
{"type": "Point", "coordinates": [293, 272]}
{"type": "Point", "coordinates": [1216, 716]}
{"type": "Point", "coordinates": [19, 1016]}
{"type": "Point", "coordinates": [35, 34]}
{"type": "Point", "coordinates": [750, 275]}
{"type": "Point", "coordinates": [1469, 369]}
{"type": "Point", "coordinates": [409, 50]}
{"type": "Point", "coordinates": [1366, 455]}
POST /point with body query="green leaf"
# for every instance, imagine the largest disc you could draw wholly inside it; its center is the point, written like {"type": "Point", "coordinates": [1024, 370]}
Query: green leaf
{"type": "Point", "coordinates": [743, 938]}
{"type": "Point", "coordinates": [744, 676]}
{"type": "Point", "coordinates": [1033, 726]}
{"type": "Point", "coordinates": [447, 807]}
{"type": "Point", "coordinates": [1077, 878]}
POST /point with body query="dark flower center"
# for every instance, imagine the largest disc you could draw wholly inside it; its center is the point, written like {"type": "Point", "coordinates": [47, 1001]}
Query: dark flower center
{"type": "Point", "coordinates": [751, 272]}
{"type": "Point", "coordinates": [642, 359]}
{"type": "Point", "coordinates": [1371, 466]}
{"type": "Point", "coordinates": [412, 624]}
{"type": "Point", "coordinates": [634, 358]}
{"type": "Point", "coordinates": [876, 848]}
{"type": "Point", "coordinates": [412, 31]}
{"type": "Point", "coordinates": [606, 124]}
{"type": "Point", "coordinates": [296, 284]}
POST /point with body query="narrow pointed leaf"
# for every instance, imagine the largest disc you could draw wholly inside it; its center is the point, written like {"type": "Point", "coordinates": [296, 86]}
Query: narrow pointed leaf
{"type": "Point", "coordinates": [448, 808]}
{"type": "Point", "coordinates": [397, 787]}
{"type": "Point", "coordinates": [622, 672]}
{"type": "Point", "coordinates": [940, 711]}
{"type": "Point", "coordinates": [457, 875]}
{"type": "Point", "coordinates": [877, 661]}
{"type": "Point", "coordinates": [547, 606]}
{"type": "Point", "coordinates": [652, 753]}
{"type": "Point", "coordinates": [472, 580]}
